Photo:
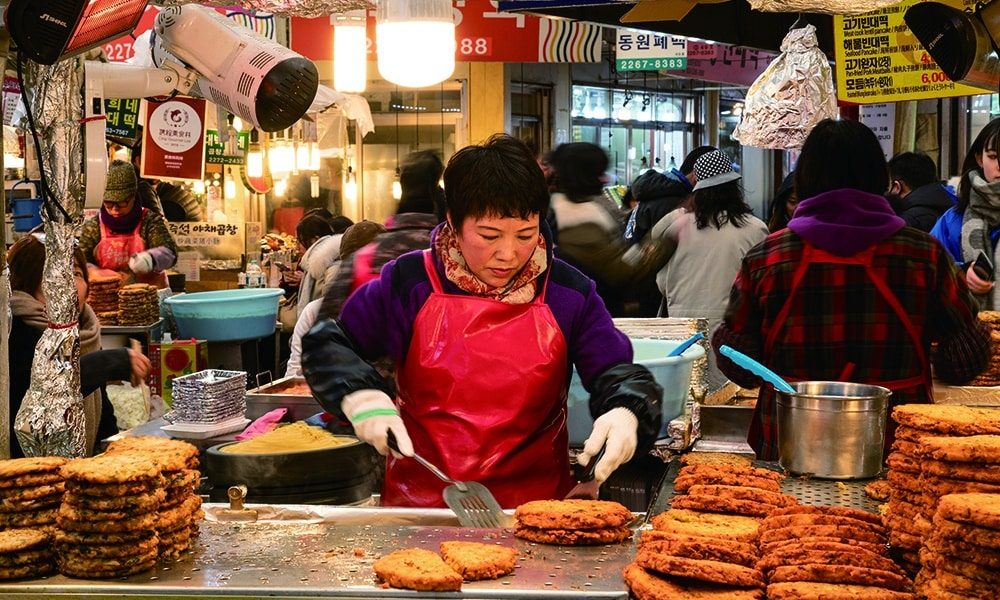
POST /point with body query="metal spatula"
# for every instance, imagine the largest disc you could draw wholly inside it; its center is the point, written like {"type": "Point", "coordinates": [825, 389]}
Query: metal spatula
{"type": "Point", "coordinates": [472, 502]}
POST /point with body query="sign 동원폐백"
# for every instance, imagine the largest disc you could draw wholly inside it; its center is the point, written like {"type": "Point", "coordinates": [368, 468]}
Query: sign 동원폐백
{"type": "Point", "coordinates": [648, 51]}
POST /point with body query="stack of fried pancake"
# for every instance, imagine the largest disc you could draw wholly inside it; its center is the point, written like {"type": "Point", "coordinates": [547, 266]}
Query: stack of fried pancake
{"type": "Point", "coordinates": [108, 516]}
{"type": "Point", "coordinates": [573, 522]}
{"type": "Point", "coordinates": [828, 552]}
{"type": "Point", "coordinates": [991, 374]}
{"type": "Point", "coordinates": [103, 298]}
{"type": "Point", "coordinates": [703, 563]}
{"type": "Point", "coordinates": [25, 553]}
{"type": "Point", "coordinates": [423, 570]}
{"type": "Point", "coordinates": [30, 492]}
{"type": "Point", "coordinates": [961, 558]}
{"type": "Point", "coordinates": [138, 304]}
{"type": "Point", "coordinates": [180, 512]}
{"type": "Point", "coordinates": [729, 488]}
{"type": "Point", "coordinates": [934, 455]}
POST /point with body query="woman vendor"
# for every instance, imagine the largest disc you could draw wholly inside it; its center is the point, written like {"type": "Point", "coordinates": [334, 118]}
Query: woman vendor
{"type": "Point", "coordinates": [485, 327]}
{"type": "Point", "coordinates": [126, 238]}
{"type": "Point", "coordinates": [847, 292]}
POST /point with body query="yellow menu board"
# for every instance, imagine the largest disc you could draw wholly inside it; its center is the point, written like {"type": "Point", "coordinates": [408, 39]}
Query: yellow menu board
{"type": "Point", "coordinates": [880, 60]}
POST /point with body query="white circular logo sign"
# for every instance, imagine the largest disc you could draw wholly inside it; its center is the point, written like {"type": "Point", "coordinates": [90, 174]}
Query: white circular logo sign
{"type": "Point", "coordinates": [175, 126]}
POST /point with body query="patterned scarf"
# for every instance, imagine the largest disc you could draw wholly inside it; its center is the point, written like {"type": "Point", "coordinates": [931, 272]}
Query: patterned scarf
{"type": "Point", "coordinates": [520, 290]}
{"type": "Point", "coordinates": [981, 216]}
{"type": "Point", "coordinates": [125, 223]}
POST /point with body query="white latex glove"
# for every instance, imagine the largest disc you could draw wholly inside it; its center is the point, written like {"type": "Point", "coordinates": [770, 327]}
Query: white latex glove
{"type": "Point", "coordinates": [373, 414]}
{"type": "Point", "coordinates": [141, 263]}
{"type": "Point", "coordinates": [615, 429]}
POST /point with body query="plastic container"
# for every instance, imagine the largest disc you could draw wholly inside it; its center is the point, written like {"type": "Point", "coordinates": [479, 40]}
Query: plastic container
{"type": "Point", "coordinates": [226, 315]}
{"type": "Point", "coordinates": [673, 374]}
{"type": "Point", "coordinates": [27, 213]}
{"type": "Point", "coordinates": [832, 429]}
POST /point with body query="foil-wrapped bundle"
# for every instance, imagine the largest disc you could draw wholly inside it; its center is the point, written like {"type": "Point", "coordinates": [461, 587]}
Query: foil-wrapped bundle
{"type": "Point", "coordinates": [51, 420]}
{"type": "Point", "coordinates": [294, 8]}
{"type": "Point", "coordinates": [792, 94]}
{"type": "Point", "coordinates": [829, 7]}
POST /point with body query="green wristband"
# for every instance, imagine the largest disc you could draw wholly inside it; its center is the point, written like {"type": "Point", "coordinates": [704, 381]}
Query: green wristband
{"type": "Point", "coordinates": [375, 412]}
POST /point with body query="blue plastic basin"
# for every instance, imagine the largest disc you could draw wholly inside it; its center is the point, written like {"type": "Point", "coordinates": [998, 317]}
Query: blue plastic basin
{"type": "Point", "coordinates": [673, 374]}
{"type": "Point", "coordinates": [226, 315]}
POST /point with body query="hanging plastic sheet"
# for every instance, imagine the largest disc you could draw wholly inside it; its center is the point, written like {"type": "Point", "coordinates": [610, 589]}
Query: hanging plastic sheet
{"type": "Point", "coordinates": [829, 7]}
{"type": "Point", "coordinates": [793, 94]}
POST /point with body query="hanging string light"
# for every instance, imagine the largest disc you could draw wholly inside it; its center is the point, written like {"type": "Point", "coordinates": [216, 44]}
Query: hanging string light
{"type": "Point", "coordinates": [416, 41]}
{"type": "Point", "coordinates": [255, 155]}
{"type": "Point", "coordinates": [397, 185]}
{"type": "Point", "coordinates": [350, 63]}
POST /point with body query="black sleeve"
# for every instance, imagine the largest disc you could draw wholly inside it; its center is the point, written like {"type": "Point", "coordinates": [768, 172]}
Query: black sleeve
{"type": "Point", "coordinates": [98, 368]}
{"type": "Point", "coordinates": [630, 386]}
{"type": "Point", "coordinates": [333, 368]}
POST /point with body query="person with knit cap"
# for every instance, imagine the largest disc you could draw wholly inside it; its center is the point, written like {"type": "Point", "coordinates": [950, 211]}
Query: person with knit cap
{"type": "Point", "coordinates": [125, 237]}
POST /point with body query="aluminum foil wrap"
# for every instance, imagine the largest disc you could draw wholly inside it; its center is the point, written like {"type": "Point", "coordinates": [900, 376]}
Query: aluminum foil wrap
{"type": "Point", "coordinates": [5, 322]}
{"type": "Point", "coordinates": [51, 419]}
{"type": "Point", "coordinates": [294, 8]}
{"type": "Point", "coordinates": [792, 94]}
{"type": "Point", "coordinates": [829, 7]}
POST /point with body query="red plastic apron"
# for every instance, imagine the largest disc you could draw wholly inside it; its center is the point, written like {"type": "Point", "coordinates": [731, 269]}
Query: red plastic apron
{"type": "Point", "coordinates": [766, 432]}
{"type": "Point", "coordinates": [115, 249]}
{"type": "Point", "coordinates": [483, 395]}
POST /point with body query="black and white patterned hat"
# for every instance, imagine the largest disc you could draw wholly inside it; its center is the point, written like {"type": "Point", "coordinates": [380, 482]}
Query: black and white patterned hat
{"type": "Point", "coordinates": [714, 168]}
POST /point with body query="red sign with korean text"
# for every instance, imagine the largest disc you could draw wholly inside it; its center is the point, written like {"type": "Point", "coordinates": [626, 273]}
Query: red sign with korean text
{"type": "Point", "coordinates": [173, 141]}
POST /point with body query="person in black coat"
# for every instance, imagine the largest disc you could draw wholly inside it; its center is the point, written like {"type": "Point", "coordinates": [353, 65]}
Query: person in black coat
{"type": "Point", "coordinates": [659, 193]}
{"type": "Point", "coordinates": [915, 192]}
{"type": "Point", "coordinates": [97, 367]}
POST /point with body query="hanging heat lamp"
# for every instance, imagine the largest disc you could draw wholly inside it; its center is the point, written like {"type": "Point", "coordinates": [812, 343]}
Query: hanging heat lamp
{"type": "Point", "coordinates": [350, 47]}
{"type": "Point", "coordinates": [416, 41]}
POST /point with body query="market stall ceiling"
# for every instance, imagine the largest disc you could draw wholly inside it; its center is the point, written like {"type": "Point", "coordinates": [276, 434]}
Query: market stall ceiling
{"type": "Point", "coordinates": [294, 8]}
{"type": "Point", "coordinates": [732, 22]}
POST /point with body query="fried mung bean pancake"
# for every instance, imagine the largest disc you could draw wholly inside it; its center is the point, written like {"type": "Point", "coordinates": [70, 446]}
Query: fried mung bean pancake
{"type": "Point", "coordinates": [716, 458]}
{"type": "Point", "coordinates": [960, 584]}
{"type": "Point", "coordinates": [740, 492]}
{"type": "Point", "coordinates": [960, 550]}
{"type": "Point", "coordinates": [976, 448]}
{"type": "Point", "coordinates": [819, 545]}
{"type": "Point", "coordinates": [182, 479]}
{"type": "Point", "coordinates": [572, 514]}
{"type": "Point", "coordinates": [684, 482]}
{"type": "Point", "coordinates": [172, 518]}
{"type": "Point", "coordinates": [573, 537]}
{"type": "Point", "coordinates": [24, 571]}
{"type": "Point", "coordinates": [138, 503]}
{"type": "Point", "coordinates": [141, 522]}
{"type": "Point", "coordinates": [102, 551]}
{"type": "Point", "coordinates": [807, 557]}
{"type": "Point", "coordinates": [826, 573]}
{"type": "Point", "coordinates": [110, 563]}
{"type": "Point", "coordinates": [721, 504]}
{"type": "Point", "coordinates": [701, 570]}
{"type": "Point", "coordinates": [124, 538]}
{"type": "Point", "coordinates": [879, 548]}
{"type": "Point", "coordinates": [949, 419]}
{"type": "Point", "coordinates": [110, 469]}
{"type": "Point", "coordinates": [19, 540]}
{"type": "Point", "coordinates": [476, 561]}
{"type": "Point", "coordinates": [417, 569]}
{"type": "Point", "coordinates": [734, 546]}
{"type": "Point", "coordinates": [646, 585]}
{"type": "Point", "coordinates": [156, 445]}
{"type": "Point", "coordinates": [28, 519]}
{"type": "Point", "coordinates": [798, 590]}
{"type": "Point", "coordinates": [871, 535]}
{"type": "Point", "coordinates": [701, 549]}
{"type": "Point", "coordinates": [903, 462]}
{"type": "Point", "coordinates": [801, 519]}
{"type": "Point", "coordinates": [840, 511]}
{"type": "Point", "coordinates": [71, 570]}
{"type": "Point", "coordinates": [911, 449]}
{"type": "Point", "coordinates": [115, 490]}
{"type": "Point", "coordinates": [982, 510]}
{"type": "Point", "coordinates": [879, 490]}
{"type": "Point", "coordinates": [16, 467]}
{"type": "Point", "coordinates": [933, 590]}
{"type": "Point", "coordinates": [10, 505]}
{"type": "Point", "coordinates": [973, 534]}
{"type": "Point", "coordinates": [744, 471]}
{"type": "Point", "coordinates": [969, 570]}
{"type": "Point", "coordinates": [912, 435]}
{"type": "Point", "coordinates": [942, 486]}
{"type": "Point", "coordinates": [734, 527]}
{"type": "Point", "coordinates": [968, 471]}
{"type": "Point", "coordinates": [32, 492]}
{"type": "Point", "coordinates": [28, 557]}
{"type": "Point", "coordinates": [31, 480]}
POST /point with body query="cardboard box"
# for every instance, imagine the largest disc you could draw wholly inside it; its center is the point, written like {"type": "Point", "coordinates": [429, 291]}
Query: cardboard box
{"type": "Point", "coordinates": [175, 359]}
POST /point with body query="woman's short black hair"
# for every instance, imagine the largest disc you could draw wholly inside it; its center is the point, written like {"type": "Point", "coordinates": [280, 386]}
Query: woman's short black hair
{"type": "Point", "coordinates": [987, 140]}
{"type": "Point", "coordinates": [579, 170]}
{"type": "Point", "coordinates": [311, 228]}
{"type": "Point", "coordinates": [840, 154]}
{"type": "Point", "coordinates": [721, 204]}
{"type": "Point", "coordinates": [499, 178]}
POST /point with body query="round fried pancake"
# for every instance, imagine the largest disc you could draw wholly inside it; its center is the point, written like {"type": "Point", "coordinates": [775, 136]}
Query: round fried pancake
{"type": "Point", "coordinates": [870, 534]}
{"type": "Point", "coordinates": [175, 499]}
{"type": "Point", "coordinates": [960, 584]}
{"type": "Point", "coordinates": [972, 534]}
{"type": "Point", "coordinates": [19, 540]}
{"type": "Point", "coordinates": [903, 462]}
{"type": "Point", "coordinates": [11, 505]}
{"type": "Point", "coordinates": [27, 557]}
{"type": "Point", "coordinates": [31, 480]}
{"type": "Point", "coordinates": [824, 573]}
{"type": "Point", "coordinates": [646, 585]}
{"type": "Point", "coordinates": [779, 545]}
{"type": "Point", "coordinates": [142, 522]}
{"type": "Point", "coordinates": [182, 479]}
{"type": "Point", "coordinates": [70, 512]}
{"type": "Point", "coordinates": [942, 486]}
{"type": "Point", "coordinates": [738, 470]}
{"type": "Point", "coordinates": [879, 490]}
{"type": "Point", "coordinates": [801, 519]}
{"type": "Point", "coordinates": [701, 549]}
{"type": "Point", "coordinates": [867, 560]}
{"type": "Point", "coordinates": [115, 489]}
{"type": "Point", "coordinates": [800, 590]}
{"type": "Point", "coordinates": [173, 538]}
{"type": "Point", "coordinates": [792, 547]}
{"type": "Point", "coordinates": [911, 434]}
{"type": "Point", "coordinates": [949, 419]}
{"type": "Point", "coordinates": [174, 517]}
{"type": "Point", "coordinates": [933, 590]}
{"type": "Point", "coordinates": [740, 492]}
{"type": "Point", "coordinates": [701, 570]}
{"type": "Point", "coordinates": [903, 480]}
{"type": "Point", "coordinates": [103, 551]}
{"type": "Point", "coordinates": [718, 504]}
{"type": "Point", "coordinates": [139, 503]}
{"type": "Point", "coordinates": [28, 519]}
{"type": "Point", "coordinates": [733, 546]}
{"type": "Point", "coordinates": [970, 570]}
{"type": "Point", "coordinates": [976, 448]}
{"type": "Point", "coordinates": [176, 452]}
{"type": "Point", "coordinates": [417, 569]}
{"type": "Point", "coordinates": [573, 537]}
{"type": "Point", "coordinates": [174, 552]}
{"type": "Point", "coordinates": [684, 482]}
{"type": "Point", "coordinates": [84, 573]}
{"type": "Point", "coordinates": [572, 514]}
{"type": "Point", "coordinates": [124, 538]}
{"type": "Point", "coordinates": [716, 458]}
{"type": "Point", "coordinates": [839, 511]}
{"type": "Point", "coordinates": [110, 563]}
{"type": "Point", "coordinates": [905, 510]}
{"type": "Point", "coordinates": [968, 471]}
{"type": "Point", "coordinates": [911, 449]}
{"type": "Point", "coordinates": [17, 467]}
{"type": "Point", "coordinates": [963, 551]}
{"type": "Point", "coordinates": [982, 510]}
{"type": "Point", "coordinates": [23, 571]}
{"type": "Point", "coordinates": [733, 527]}
{"type": "Point", "coordinates": [32, 492]}
{"type": "Point", "coordinates": [476, 561]}
{"type": "Point", "coordinates": [110, 469]}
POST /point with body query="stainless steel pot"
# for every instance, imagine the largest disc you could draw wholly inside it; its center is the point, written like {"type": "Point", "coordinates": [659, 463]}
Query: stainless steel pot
{"type": "Point", "coordinates": [831, 429]}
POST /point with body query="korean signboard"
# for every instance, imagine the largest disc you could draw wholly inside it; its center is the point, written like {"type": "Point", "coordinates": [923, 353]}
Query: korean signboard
{"type": "Point", "coordinates": [212, 241]}
{"type": "Point", "coordinates": [880, 60]}
{"type": "Point", "coordinates": [123, 117]}
{"type": "Point", "coordinates": [231, 152]}
{"type": "Point", "coordinates": [647, 51]}
{"type": "Point", "coordinates": [173, 141]}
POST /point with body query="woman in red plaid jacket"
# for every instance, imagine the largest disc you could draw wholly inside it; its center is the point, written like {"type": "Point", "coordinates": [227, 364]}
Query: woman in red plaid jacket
{"type": "Point", "coordinates": [847, 292]}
